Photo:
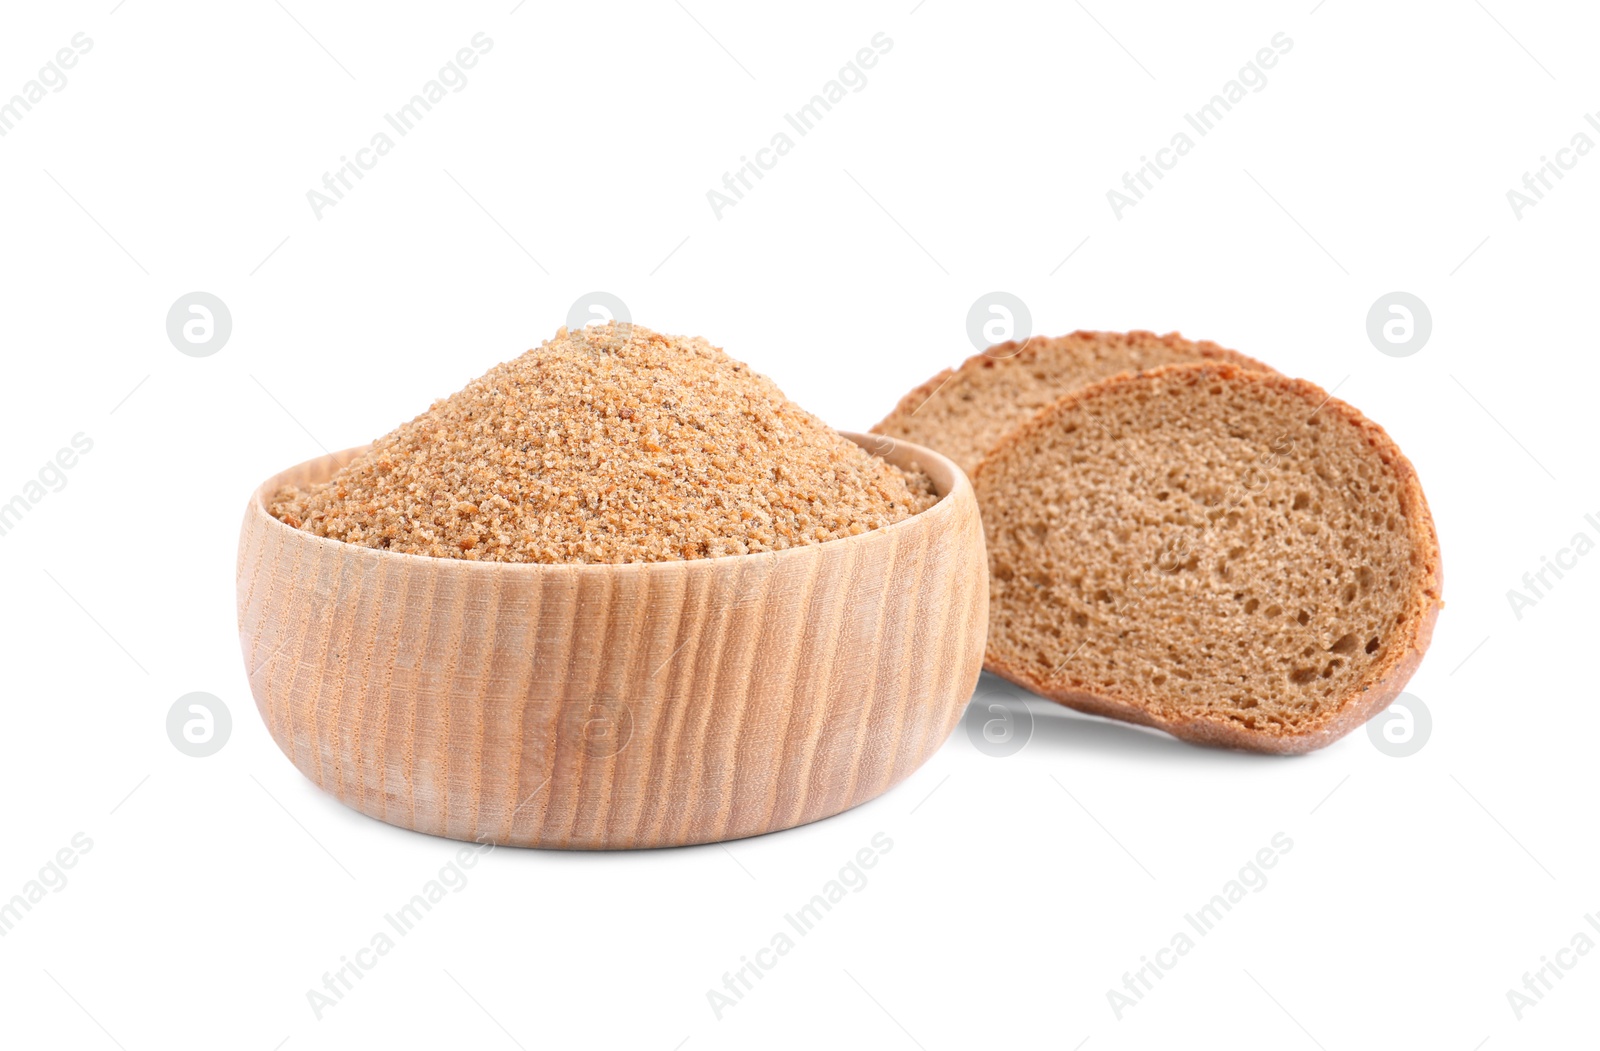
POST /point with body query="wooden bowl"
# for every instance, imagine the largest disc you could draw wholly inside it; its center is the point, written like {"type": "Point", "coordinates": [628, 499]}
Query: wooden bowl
{"type": "Point", "coordinates": [604, 706]}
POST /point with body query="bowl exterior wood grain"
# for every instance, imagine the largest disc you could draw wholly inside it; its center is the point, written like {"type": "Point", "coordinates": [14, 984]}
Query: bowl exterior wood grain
{"type": "Point", "coordinates": [599, 706]}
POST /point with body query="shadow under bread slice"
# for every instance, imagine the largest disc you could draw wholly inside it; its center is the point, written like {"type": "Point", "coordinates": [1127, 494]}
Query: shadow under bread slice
{"type": "Point", "coordinates": [1231, 556]}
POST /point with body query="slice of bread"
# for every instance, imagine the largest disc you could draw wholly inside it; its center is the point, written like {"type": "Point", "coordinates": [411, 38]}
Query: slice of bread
{"type": "Point", "coordinates": [1234, 557]}
{"type": "Point", "coordinates": [965, 412]}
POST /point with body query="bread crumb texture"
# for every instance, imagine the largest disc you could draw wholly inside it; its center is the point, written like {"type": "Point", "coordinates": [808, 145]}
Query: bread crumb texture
{"type": "Point", "coordinates": [1206, 543]}
{"type": "Point", "coordinates": [608, 444]}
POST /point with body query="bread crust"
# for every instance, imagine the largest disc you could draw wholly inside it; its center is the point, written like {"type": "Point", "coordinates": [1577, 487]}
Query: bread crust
{"type": "Point", "coordinates": [1382, 682]}
{"type": "Point", "coordinates": [1012, 354]}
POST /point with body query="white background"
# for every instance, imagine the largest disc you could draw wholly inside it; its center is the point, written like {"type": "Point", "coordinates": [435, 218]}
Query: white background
{"type": "Point", "coordinates": [977, 157]}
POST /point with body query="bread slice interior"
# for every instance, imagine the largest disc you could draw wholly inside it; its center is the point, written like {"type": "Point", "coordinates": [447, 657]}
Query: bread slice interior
{"type": "Point", "coordinates": [1229, 555]}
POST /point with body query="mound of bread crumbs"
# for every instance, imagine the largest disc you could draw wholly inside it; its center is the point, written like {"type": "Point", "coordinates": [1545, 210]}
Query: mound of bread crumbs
{"type": "Point", "coordinates": [603, 445]}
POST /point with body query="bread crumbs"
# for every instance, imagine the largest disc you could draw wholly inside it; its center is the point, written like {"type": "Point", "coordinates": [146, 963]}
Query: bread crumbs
{"type": "Point", "coordinates": [604, 445]}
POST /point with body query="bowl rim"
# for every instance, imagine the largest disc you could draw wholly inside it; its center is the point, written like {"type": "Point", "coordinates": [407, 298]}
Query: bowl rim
{"type": "Point", "coordinates": [921, 454]}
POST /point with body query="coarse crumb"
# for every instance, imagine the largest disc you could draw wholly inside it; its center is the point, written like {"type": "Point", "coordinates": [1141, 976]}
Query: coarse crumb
{"type": "Point", "coordinates": [604, 445]}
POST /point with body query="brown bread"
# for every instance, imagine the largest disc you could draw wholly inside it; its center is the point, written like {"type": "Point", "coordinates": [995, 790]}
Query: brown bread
{"type": "Point", "coordinates": [965, 412]}
{"type": "Point", "coordinates": [1232, 556]}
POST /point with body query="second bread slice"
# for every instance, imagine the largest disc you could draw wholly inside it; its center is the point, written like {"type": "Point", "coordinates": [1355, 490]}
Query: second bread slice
{"type": "Point", "coordinates": [965, 412]}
